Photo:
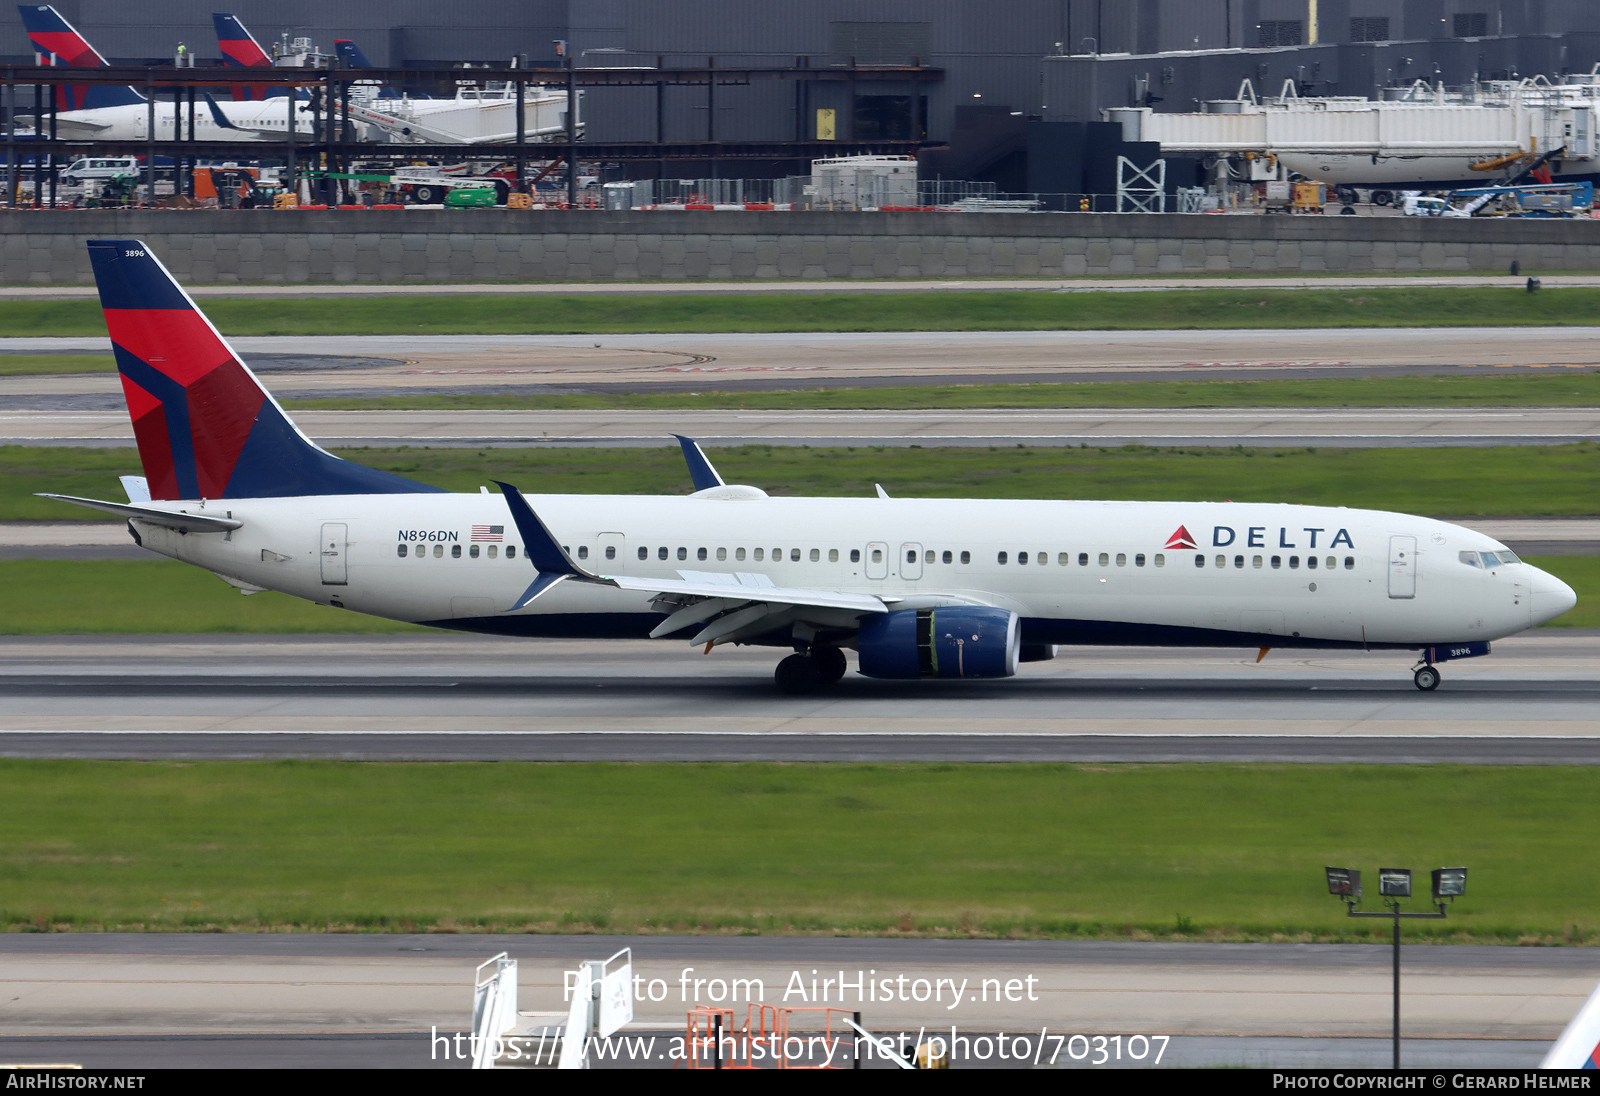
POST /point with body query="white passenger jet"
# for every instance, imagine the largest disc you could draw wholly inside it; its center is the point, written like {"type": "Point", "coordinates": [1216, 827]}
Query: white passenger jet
{"type": "Point", "coordinates": [918, 588]}
{"type": "Point", "coordinates": [109, 113]}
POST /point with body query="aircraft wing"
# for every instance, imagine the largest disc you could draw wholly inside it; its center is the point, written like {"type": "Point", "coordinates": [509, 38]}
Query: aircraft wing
{"type": "Point", "coordinates": [731, 606]}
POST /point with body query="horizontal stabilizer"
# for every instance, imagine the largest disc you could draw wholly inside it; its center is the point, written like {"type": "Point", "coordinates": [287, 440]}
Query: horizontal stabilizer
{"type": "Point", "coordinates": [179, 520]}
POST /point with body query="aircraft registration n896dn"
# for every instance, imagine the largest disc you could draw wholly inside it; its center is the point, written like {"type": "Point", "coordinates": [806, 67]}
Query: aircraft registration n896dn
{"type": "Point", "coordinates": [918, 588]}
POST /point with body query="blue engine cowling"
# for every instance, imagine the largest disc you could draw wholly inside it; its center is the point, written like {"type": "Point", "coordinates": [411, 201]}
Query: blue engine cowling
{"type": "Point", "coordinates": [953, 641]}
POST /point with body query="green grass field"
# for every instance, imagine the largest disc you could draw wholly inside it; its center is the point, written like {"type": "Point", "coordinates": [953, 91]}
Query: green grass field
{"type": "Point", "coordinates": [1517, 480]}
{"type": "Point", "coordinates": [1557, 388]}
{"type": "Point", "coordinates": [1207, 308]}
{"type": "Point", "coordinates": [37, 365]}
{"type": "Point", "coordinates": [1127, 851]}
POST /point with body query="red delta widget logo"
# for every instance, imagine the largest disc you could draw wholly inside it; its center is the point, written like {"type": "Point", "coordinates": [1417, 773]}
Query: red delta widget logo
{"type": "Point", "coordinates": [1255, 536]}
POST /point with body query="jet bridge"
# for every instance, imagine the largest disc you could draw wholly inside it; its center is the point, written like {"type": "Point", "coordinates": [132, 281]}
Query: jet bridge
{"type": "Point", "coordinates": [1430, 135]}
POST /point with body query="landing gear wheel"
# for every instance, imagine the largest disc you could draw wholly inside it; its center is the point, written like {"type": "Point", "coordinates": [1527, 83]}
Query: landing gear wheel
{"type": "Point", "coordinates": [830, 663]}
{"type": "Point", "coordinates": [797, 675]}
{"type": "Point", "coordinates": [1427, 678]}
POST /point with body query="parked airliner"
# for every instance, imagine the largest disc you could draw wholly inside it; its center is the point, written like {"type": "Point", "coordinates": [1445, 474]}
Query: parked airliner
{"type": "Point", "coordinates": [917, 587]}
{"type": "Point", "coordinates": [111, 113]}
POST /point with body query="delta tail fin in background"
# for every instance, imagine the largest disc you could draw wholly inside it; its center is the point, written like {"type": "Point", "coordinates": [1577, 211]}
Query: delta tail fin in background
{"type": "Point", "coordinates": [239, 47]}
{"type": "Point", "coordinates": [57, 42]}
{"type": "Point", "coordinates": [350, 56]}
{"type": "Point", "coordinates": [205, 426]}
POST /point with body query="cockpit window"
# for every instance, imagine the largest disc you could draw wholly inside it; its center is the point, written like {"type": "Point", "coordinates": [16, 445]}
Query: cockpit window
{"type": "Point", "coordinates": [1501, 558]}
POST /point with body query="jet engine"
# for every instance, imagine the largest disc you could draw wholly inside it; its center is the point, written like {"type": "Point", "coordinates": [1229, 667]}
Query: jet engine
{"type": "Point", "coordinates": [952, 641]}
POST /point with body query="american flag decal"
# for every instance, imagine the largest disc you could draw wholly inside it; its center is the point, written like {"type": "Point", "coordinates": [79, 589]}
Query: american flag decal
{"type": "Point", "coordinates": [495, 533]}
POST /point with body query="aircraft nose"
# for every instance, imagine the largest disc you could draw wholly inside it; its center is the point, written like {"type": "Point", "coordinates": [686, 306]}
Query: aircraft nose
{"type": "Point", "coordinates": [1551, 596]}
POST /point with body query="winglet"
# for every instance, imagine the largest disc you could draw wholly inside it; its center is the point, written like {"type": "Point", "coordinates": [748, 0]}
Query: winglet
{"type": "Point", "coordinates": [701, 472]}
{"type": "Point", "coordinates": [542, 550]}
{"type": "Point", "coordinates": [218, 117]}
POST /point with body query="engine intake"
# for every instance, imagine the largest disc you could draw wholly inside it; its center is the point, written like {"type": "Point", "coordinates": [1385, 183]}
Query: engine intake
{"type": "Point", "coordinates": [953, 641]}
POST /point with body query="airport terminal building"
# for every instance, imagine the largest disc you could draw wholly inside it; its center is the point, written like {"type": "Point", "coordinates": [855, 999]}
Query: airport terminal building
{"type": "Point", "coordinates": [986, 75]}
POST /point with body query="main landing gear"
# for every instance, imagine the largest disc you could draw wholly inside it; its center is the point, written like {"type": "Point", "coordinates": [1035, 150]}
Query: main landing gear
{"type": "Point", "coordinates": [809, 671]}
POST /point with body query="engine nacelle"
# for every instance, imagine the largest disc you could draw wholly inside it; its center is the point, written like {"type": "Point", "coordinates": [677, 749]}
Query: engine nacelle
{"type": "Point", "coordinates": [952, 641]}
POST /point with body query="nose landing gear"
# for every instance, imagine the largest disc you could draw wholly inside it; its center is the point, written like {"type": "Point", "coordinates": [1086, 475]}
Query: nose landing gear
{"type": "Point", "coordinates": [1426, 678]}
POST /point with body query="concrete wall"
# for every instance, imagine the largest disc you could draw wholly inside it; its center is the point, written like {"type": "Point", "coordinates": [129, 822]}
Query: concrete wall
{"type": "Point", "coordinates": [41, 248]}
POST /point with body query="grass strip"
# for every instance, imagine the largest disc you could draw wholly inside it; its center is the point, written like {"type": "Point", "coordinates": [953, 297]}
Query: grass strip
{"type": "Point", "coordinates": [1208, 308]}
{"type": "Point", "coordinates": [44, 365]}
{"type": "Point", "coordinates": [1470, 482]}
{"type": "Point", "coordinates": [1222, 852]}
{"type": "Point", "coordinates": [1559, 388]}
{"type": "Point", "coordinates": [158, 596]}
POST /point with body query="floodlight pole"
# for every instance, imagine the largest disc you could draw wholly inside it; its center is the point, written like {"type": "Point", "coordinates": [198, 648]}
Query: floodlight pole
{"type": "Point", "coordinates": [1394, 911]}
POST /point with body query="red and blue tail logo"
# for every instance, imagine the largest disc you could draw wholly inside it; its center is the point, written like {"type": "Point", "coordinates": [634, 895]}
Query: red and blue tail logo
{"type": "Point", "coordinates": [239, 47]}
{"type": "Point", "coordinates": [204, 425]}
{"type": "Point", "coordinates": [57, 42]}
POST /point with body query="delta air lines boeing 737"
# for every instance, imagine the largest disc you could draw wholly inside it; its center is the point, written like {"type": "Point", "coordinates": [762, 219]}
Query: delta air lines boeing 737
{"type": "Point", "coordinates": [917, 588]}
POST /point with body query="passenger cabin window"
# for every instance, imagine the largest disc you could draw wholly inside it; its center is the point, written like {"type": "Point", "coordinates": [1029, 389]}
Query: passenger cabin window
{"type": "Point", "coordinates": [583, 551]}
{"type": "Point", "coordinates": [947, 557]}
{"type": "Point", "coordinates": [1199, 560]}
{"type": "Point", "coordinates": [401, 552]}
{"type": "Point", "coordinates": [438, 551]}
{"type": "Point", "coordinates": [455, 551]}
{"type": "Point", "coordinates": [511, 551]}
{"type": "Point", "coordinates": [759, 554]}
{"type": "Point", "coordinates": [494, 550]}
{"type": "Point", "coordinates": [611, 551]}
{"type": "Point", "coordinates": [722, 553]}
{"type": "Point", "coordinates": [1161, 559]}
{"type": "Point", "coordinates": [644, 553]}
{"type": "Point", "coordinates": [1105, 559]}
{"type": "Point", "coordinates": [738, 554]}
{"type": "Point", "coordinates": [816, 555]}
{"type": "Point", "coordinates": [1022, 557]}
{"type": "Point", "coordinates": [1000, 558]}
{"type": "Point", "coordinates": [1083, 559]}
{"type": "Point", "coordinates": [833, 555]}
{"type": "Point", "coordinates": [661, 553]}
{"type": "Point", "coordinates": [683, 553]}
{"type": "Point", "coordinates": [473, 551]}
{"type": "Point", "coordinates": [855, 555]}
{"type": "Point", "coordinates": [966, 557]}
{"type": "Point", "coordinates": [794, 555]}
{"type": "Point", "coordinates": [701, 554]}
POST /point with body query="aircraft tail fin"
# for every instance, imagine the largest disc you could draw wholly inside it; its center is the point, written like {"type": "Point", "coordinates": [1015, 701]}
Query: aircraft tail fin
{"type": "Point", "coordinates": [57, 42]}
{"type": "Point", "coordinates": [239, 47]}
{"type": "Point", "coordinates": [205, 426]}
{"type": "Point", "coordinates": [351, 56]}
